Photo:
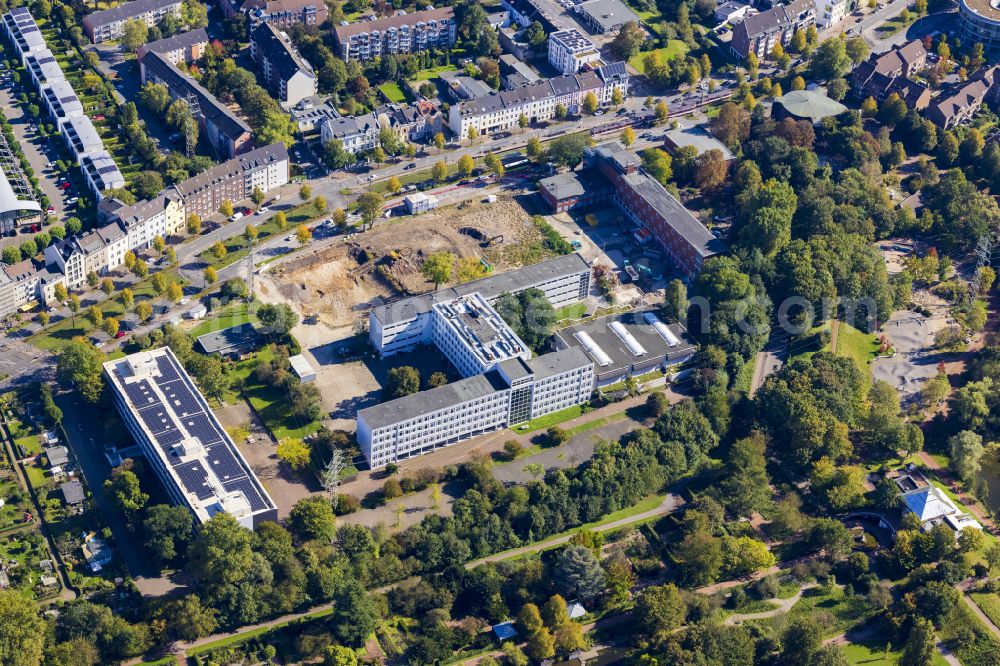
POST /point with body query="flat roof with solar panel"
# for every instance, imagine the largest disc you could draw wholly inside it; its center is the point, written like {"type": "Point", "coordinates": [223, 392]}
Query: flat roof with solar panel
{"type": "Point", "coordinates": [185, 444]}
{"type": "Point", "coordinates": [632, 343]}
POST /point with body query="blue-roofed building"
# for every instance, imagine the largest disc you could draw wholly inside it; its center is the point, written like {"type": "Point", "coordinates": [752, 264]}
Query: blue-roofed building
{"type": "Point", "coordinates": [505, 630]}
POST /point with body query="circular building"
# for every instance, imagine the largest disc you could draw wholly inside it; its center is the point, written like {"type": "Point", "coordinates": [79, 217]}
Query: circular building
{"type": "Point", "coordinates": [809, 105]}
{"type": "Point", "coordinates": [979, 21]}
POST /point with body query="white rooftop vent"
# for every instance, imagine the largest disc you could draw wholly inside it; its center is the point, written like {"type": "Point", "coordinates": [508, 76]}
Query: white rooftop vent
{"type": "Point", "coordinates": [661, 328]}
{"type": "Point", "coordinates": [626, 337]}
{"type": "Point", "coordinates": [592, 347]}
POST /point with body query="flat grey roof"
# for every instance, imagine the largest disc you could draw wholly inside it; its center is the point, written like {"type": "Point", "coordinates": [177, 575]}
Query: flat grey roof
{"type": "Point", "coordinates": [621, 357]}
{"type": "Point", "coordinates": [556, 362]}
{"type": "Point", "coordinates": [490, 287]}
{"type": "Point", "coordinates": [434, 400]}
{"type": "Point", "coordinates": [699, 138]}
{"type": "Point", "coordinates": [608, 13]}
{"type": "Point", "coordinates": [228, 338]}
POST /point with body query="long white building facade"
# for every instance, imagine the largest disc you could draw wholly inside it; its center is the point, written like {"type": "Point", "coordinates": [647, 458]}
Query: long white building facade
{"type": "Point", "coordinates": [503, 383]}
{"type": "Point", "coordinates": [514, 391]}
{"type": "Point", "coordinates": [502, 110]}
{"type": "Point", "coordinates": [405, 324]}
{"type": "Point", "coordinates": [196, 460]}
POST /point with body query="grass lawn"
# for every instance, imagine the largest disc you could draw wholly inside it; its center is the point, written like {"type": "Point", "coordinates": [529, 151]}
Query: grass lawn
{"type": "Point", "coordinates": [857, 345]}
{"type": "Point", "coordinates": [55, 336]}
{"type": "Point", "coordinates": [270, 403]}
{"type": "Point", "coordinates": [573, 311]}
{"type": "Point", "coordinates": [550, 420]}
{"type": "Point", "coordinates": [894, 25]}
{"type": "Point", "coordinates": [231, 315]}
{"type": "Point", "coordinates": [393, 92]}
{"type": "Point", "coordinates": [597, 423]}
{"type": "Point", "coordinates": [674, 49]}
{"type": "Point", "coordinates": [840, 611]}
{"type": "Point", "coordinates": [745, 376]}
{"type": "Point", "coordinates": [873, 653]}
{"type": "Point", "coordinates": [36, 477]}
{"type": "Point", "coordinates": [989, 603]}
{"type": "Point", "coordinates": [808, 350]}
{"type": "Point", "coordinates": [434, 72]}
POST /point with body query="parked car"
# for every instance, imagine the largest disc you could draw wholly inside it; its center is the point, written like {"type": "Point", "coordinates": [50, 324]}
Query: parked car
{"type": "Point", "coordinates": [411, 165]}
{"type": "Point", "coordinates": [247, 212]}
{"type": "Point", "coordinates": [238, 215]}
{"type": "Point", "coordinates": [119, 335]}
{"type": "Point", "coordinates": [72, 200]}
{"type": "Point", "coordinates": [263, 210]}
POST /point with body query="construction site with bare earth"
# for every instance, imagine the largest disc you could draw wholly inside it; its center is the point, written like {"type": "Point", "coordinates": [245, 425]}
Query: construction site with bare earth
{"type": "Point", "coordinates": [334, 288]}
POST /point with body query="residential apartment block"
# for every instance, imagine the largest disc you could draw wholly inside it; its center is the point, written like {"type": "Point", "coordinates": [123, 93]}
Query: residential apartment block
{"type": "Point", "coordinates": [81, 136]}
{"type": "Point", "coordinates": [183, 47]}
{"type": "Point", "coordinates": [604, 16]}
{"type": "Point", "coordinates": [18, 286]}
{"type": "Point", "coordinates": [401, 33]}
{"type": "Point", "coordinates": [357, 133]}
{"type": "Point", "coordinates": [284, 13]}
{"type": "Point", "coordinates": [831, 12]}
{"type": "Point", "coordinates": [109, 24]}
{"type": "Point", "coordinates": [759, 33]}
{"type": "Point", "coordinates": [42, 67]}
{"type": "Point", "coordinates": [513, 391]}
{"type": "Point", "coordinates": [62, 103]}
{"type": "Point", "coordinates": [284, 72]}
{"type": "Point", "coordinates": [570, 51]}
{"type": "Point", "coordinates": [958, 104]}
{"type": "Point", "coordinates": [163, 215]}
{"type": "Point", "coordinates": [185, 445]}
{"type": "Point", "coordinates": [23, 32]}
{"type": "Point", "coordinates": [266, 168]}
{"type": "Point", "coordinates": [228, 135]}
{"type": "Point", "coordinates": [407, 323]}
{"type": "Point", "coordinates": [501, 110]}
{"type": "Point", "coordinates": [890, 72]}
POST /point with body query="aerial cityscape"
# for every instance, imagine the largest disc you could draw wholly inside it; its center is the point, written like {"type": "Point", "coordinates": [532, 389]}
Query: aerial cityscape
{"type": "Point", "coordinates": [562, 332]}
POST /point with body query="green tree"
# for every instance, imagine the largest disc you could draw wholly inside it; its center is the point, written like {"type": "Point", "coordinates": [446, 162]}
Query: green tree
{"type": "Point", "coordinates": [801, 640]}
{"type": "Point", "coordinates": [437, 267]}
{"type": "Point", "coordinates": [402, 381]}
{"type": "Point", "coordinates": [355, 615]}
{"type": "Point", "coordinates": [966, 453]}
{"type": "Point", "coordinates": [590, 103]}
{"type": "Point", "coordinates": [578, 574]}
{"type": "Point", "coordinates": [187, 619]}
{"type": "Point", "coordinates": [22, 631]}
{"type": "Point", "coordinates": [123, 489]}
{"type": "Point", "coordinates": [293, 452]}
{"type": "Point", "coordinates": [80, 363]}
{"type": "Point", "coordinates": [466, 165]}
{"type": "Point", "coordinates": [305, 193]}
{"type": "Point", "coordinates": [194, 224]}
{"type": "Point", "coordinates": [921, 644]}
{"type": "Point", "coordinates": [529, 619]}
{"type": "Point", "coordinates": [370, 206]}
{"type": "Point", "coordinates": [210, 275]}
{"type": "Point", "coordinates": [659, 608]}
{"type": "Point", "coordinates": [135, 34]}
{"type": "Point", "coordinates": [166, 529]}
{"type": "Point", "coordinates": [439, 172]}
{"type": "Point", "coordinates": [312, 518]}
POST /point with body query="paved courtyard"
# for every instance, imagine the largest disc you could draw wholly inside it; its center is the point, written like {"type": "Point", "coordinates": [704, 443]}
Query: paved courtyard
{"type": "Point", "coordinates": [912, 336]}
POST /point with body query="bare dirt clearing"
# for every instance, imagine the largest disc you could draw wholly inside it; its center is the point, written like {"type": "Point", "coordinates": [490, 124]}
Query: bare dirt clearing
{"type": "Point", "coordinates": [340, 284]}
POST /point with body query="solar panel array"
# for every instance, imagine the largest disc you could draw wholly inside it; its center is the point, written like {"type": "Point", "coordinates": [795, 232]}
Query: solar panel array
{"type": "Point", "coordinates": [172, 411]}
